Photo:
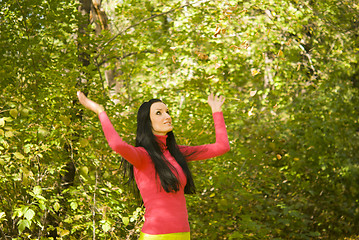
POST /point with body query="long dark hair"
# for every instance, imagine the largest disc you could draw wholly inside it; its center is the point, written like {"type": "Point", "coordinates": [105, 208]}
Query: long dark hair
{"type": "Point", "coordinates": [164, 169]}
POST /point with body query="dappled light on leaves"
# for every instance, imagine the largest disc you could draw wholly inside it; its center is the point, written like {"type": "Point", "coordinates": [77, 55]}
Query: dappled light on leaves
{"type": "Point", "coordinates": [201, 55]}
{"type": "Point", "coordinates": [288, 70]}
{"type": "Point", "coordinates": [255, 72]}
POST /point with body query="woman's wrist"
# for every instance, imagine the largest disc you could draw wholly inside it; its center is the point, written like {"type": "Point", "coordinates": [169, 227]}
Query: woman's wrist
{"type": "Point", "coordinates": [100, 109]}
{"type": "Point", "coordinates": [216, 110]}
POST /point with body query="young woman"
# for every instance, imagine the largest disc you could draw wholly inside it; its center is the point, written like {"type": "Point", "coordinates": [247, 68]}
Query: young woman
{"type": "Point", "coordinates": [159, 165]}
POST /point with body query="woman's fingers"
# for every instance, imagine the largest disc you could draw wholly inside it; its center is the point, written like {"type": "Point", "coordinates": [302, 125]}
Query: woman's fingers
{"type": "Point", "coordinates": [81, 97]}
{"type": "Point", "coordinates": [215, 102]}
{"type": "Point", "coordinates": [212, 98]}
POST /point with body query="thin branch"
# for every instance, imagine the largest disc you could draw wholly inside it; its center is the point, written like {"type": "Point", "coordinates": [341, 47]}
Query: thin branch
{"type": "Point", "coordinates": [98, 69]}
{"type": "Point", "coordinates": [309, 58]}
{"type": "Point", "coordinates": [136, 24]}
{"type": "Point", "coordinates": [123, 57]}
{"type": "Point", "coordinates": [2, 234]}
{"type": "Point", "coordinates": [94, 209]}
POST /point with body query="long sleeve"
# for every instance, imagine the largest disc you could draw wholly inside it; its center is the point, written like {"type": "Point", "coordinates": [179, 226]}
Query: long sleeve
{"type": "Point", "coordinates": [134, 155]}
{"type": "Point", "coordinates": [221, 146]}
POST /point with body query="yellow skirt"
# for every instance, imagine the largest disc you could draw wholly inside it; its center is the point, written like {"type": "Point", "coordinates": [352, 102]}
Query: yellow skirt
{"type": "Point", "coordinates": [169, 236]}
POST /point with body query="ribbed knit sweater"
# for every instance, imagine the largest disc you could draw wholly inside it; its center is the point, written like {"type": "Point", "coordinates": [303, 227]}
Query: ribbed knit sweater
{"type": "Point", "coordinates": [164, 212]}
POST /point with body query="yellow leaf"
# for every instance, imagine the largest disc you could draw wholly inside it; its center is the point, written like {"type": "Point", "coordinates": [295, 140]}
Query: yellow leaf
{"type": "Point", "coordinates": [279, 157]}
{"type": "Point", "coordinates": [63, 232]}
{"type": "Point", "coordinates": [9, 134]}
{"type": "Point", "coordinates": [13, 113]}
{"type": "Point", "coordinates": [173, 59]}
{"type": "Point", "coordinates": [125, 221]}
{"type": "Point", "coordinates": [280, 53]}
{"type": "Point", "coordinates": [19, 155]}
{"type": "Point", "coordinates": [254, 72]}
{"type": "Point", "coordinates": [57, 206]}
{"type": "Point", "coordinates": [84, 171]}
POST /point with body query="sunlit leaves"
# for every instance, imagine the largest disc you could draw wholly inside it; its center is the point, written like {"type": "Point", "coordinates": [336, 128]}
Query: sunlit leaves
{"type": "Point", "coordinates": [254, 72]}
{"type": "Point", "coordinates": [56, 206]}
{"type": "Point", "coordinates": [13, 113]}
{"type": "Point", "coordinates": [19, 155]}
{"type": "Point", "coordinates": [22, 224]}
{"type": "Point", "coordinates": [29, 214]}
{"type": "Point", "coordinates": [125, 220]}
{"type": "Point", "coordinates": [2, 122]}
{"type": "Point", "coordinates": [286, 70]}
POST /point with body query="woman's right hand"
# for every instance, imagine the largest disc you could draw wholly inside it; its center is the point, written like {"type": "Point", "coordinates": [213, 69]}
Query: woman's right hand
{"type": "Point", "coordinates": [89, 104]}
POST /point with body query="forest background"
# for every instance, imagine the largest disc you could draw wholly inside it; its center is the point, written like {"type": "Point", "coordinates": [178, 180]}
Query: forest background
{"type": "Point", "coordinates": [289, 72]}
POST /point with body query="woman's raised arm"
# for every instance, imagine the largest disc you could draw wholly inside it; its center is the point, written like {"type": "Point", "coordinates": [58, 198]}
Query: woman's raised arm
{"type": "Point", "coordinates": [132, 154]}
{"type": "Point", "coordinates": [89, 104]}
{"type": "Point", "coordinates": [221, 145]}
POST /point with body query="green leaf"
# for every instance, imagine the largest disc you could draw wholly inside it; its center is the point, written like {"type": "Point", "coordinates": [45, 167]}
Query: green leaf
{"type": "Point", "coordinates": [84, 170]}
{"type": "Point", "coordinates": [57, 206]}
{"type": "Point", "coordinates": [84, 142]}
{"type": "Point", "coordinates": [29, 214]}
{"type": "Point", "coordinates": [125, 221]}
{"type": "Point", "coordinates": [13, 113]}
{"type": "Point", "coordinates": [37, 190]}
{"type": "Point", "coordinates": [74, 205]}
{"type": "Point", "coordinates": [22, 224]}
{"type": "Point", "coordinates": [18, 155]}
{"type": "Point", "coordinates": [9, 134]}
{"type": "Point", "coordinates": [106, 226]}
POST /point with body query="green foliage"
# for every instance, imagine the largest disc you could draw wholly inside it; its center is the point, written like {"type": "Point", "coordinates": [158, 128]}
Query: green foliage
{"type": "Point", "coordinates": [289, 71]}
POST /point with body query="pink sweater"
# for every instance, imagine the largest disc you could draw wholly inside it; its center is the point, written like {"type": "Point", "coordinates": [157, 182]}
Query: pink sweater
{"type": "Point", "coordinates": [165, 212]}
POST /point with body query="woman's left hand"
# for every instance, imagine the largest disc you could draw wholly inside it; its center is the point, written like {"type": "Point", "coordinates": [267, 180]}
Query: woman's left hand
{"type": "Point", "coordinates": [215, 102]}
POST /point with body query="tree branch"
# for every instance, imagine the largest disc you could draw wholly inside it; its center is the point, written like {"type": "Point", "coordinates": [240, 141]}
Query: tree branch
{"type": "Point", "coordinates": [136, 24]}
{"type": "Point", "coordinates": [123, 57]}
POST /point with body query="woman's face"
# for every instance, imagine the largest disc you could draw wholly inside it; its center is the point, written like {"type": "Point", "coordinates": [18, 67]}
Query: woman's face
{"type": "Point", "coordinates": [160, 119]}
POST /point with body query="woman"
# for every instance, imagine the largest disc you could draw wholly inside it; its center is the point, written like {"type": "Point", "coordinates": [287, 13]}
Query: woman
{"type": "Point", "coordinates": [159, 165]}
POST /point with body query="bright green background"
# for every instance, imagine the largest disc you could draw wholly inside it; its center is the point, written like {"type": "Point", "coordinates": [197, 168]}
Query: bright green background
{"type": "Point", "coordinates": [289, 72]}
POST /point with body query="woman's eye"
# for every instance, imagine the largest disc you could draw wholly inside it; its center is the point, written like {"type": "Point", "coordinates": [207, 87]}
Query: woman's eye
{"type": "Point", "coordinates": [158, 113]}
